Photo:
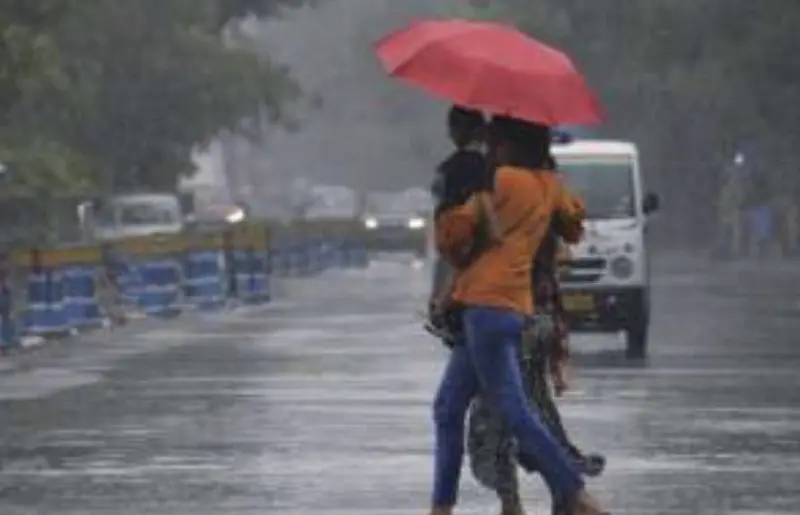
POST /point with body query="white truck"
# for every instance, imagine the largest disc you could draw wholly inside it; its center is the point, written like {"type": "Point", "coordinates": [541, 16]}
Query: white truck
{"type": "Point", "coordinates": [606, 282]}
{"type": "Point", "coordinates": [134, 214]}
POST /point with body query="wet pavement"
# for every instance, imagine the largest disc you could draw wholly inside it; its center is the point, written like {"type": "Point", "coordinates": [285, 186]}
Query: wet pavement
{"type": "Point", "coordinates": [320, 405]}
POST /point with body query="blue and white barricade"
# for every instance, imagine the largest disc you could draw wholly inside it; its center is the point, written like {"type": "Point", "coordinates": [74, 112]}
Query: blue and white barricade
{"type": "Point", "coordinates": [128, 283]}
{"type": "Point", "coordinates": [356, 253]}
{"type": "Point", "coordinates": [124, 273]}
{"type": "Point", "coordinates": [299, 262]}
{"type": "Point", "coordinates": [46, 313]}
{"type": "Point", "coordinates": [316, 254]}
{"type": "Point", "coordinates": [80, 296]}
{"type": "Point", "coordinates": [304, 268]}
{"type": "Point", "coordinates": [157, 287]}
{"type": "Point", "coordinates": [280, 257]}
{"type": "Point", "coordinates": [161, 275]}
{"type": "Point", "coordinates": [250, 269]}
{"type": "Point", "coordinates": [326, 253]}
{"type": "Point", "coordinates": [337, 252]}
{"type": "Point", "coordinates": [204, 279]}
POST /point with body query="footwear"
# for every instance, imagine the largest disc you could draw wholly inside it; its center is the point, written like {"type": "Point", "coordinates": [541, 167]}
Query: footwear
{"type": "Point", "coordinates": [512, 510]}
{"type": "Point", "coordinates": [585, 504]}
{"type": "Point", "coordinates": [593, 465]}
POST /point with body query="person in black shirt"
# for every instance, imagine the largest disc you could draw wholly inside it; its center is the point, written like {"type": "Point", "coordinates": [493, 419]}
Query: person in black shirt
{"type": "Point", "coordinates": [463, 174]}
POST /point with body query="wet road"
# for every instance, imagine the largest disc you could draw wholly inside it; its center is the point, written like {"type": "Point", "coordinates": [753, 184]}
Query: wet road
{"type": "Point", "coordinates": [321, 406]}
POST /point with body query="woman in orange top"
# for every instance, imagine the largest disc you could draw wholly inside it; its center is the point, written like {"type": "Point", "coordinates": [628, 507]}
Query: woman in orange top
{"type": "Point", "coordinates": [494, 293]}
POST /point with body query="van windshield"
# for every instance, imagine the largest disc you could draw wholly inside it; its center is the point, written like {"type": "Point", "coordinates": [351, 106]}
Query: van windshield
{"type": "Point", "coordinates": [149, 211]}
{"type": "Point", "coordinates": [606, 185]}
{"type": "Point", "coordinates": [147, 214]}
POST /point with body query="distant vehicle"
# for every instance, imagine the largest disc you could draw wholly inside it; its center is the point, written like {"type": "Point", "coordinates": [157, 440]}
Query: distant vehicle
{"type": "Point", "coordinates": [396, 225]}
{"type": "Point", "coordinates": [135, 214]}
{"type": "Point", "coordinates": [331, 203]}
{"type": "Point", "coordinates": [606, 281]}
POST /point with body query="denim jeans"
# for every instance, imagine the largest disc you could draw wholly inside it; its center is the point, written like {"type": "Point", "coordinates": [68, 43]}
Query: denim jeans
{"type": "Point", "coordinates": [488, 361]}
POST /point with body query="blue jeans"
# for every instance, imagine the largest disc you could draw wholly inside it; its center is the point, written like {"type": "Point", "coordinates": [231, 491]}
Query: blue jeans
{"type": "Point", "coordinates": [488, 360]}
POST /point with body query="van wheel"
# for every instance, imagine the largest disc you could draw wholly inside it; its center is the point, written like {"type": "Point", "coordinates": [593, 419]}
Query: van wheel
{"type": "Point", "coordinates": [636, 335]}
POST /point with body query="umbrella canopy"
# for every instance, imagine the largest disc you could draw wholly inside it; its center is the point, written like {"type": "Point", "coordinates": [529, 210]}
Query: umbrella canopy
{"type": "Point", "coordinates": [491, 67]}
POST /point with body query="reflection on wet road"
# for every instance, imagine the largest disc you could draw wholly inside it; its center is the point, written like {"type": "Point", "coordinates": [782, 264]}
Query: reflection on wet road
{"type": "Point", "coordinates": [322, 406]}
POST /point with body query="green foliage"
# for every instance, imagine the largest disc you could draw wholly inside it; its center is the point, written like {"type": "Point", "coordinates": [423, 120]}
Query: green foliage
{"type": "Point", "coordinates": [109, 95]}
{"type": "Point", "coordinates": [27, 52]}
{"type": "Point", "coordinates": [691, 82]}
{"type": "Point", "coordinates": [44, 168]}
{"type": "Point", "coordinates": [725, 63]}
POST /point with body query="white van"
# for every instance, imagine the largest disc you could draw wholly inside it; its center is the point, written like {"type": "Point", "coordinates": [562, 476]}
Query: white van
{"type": "Point", "coordinates": [137, 214]}
{"type": "Point", "coordinates": [606, 282]}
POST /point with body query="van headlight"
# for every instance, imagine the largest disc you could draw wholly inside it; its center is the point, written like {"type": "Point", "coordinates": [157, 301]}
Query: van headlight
{"type": "Point", "coordinates": [621, 267]}
{"type": "Point", "coordinates": [371, 223]}
{"type": "Point", "coordinates": [416, 223]}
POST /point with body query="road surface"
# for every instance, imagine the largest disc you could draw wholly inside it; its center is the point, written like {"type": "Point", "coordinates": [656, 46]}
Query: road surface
{"type": "Point", "coordinates": [320, 405]}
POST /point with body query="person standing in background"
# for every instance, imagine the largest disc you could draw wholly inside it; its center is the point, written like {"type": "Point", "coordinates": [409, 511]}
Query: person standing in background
{"type": "Point", "coordinates": [792, 226]}
{"type": "Point", "coordinates": [108, 297]}
{"type": "Point", "coordinates": [729, 216]}
{"type": "Point", "coordinates": [760, 215]}
{"type": "Point", "coordinates": [787, 215]}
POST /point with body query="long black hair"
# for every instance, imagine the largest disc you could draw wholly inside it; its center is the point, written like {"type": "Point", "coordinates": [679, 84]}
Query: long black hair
{"type": "Point", "coordinates": [526, 144]}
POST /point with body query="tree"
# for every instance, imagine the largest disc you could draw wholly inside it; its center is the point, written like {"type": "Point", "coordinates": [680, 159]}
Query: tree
{"type": "Point", "coordinates": [35, 165]}
{"type": "Point", "coordinates": [228, 10]}
{"type": "Point", "coordinates": [27, 52]}
{"type": "Point", "coordinates": [129, 87]}
{"type": "Point", "coordinates": [689, 81]}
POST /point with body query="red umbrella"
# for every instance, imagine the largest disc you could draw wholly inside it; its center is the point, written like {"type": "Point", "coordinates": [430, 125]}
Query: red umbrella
{"type": "Point", "coordinates": [491, 67]}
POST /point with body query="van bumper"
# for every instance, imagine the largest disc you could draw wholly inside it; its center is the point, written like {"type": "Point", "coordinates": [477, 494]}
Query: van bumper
{"type": "Point", "coordinates": [397, 239]}
{"type": "Point", "coordinates": [605, 310]}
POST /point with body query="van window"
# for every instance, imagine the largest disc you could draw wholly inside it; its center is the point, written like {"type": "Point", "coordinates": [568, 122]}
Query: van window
{"type": "Point", "coordinates": [104, 216]}
{"type": "Point", "coordinates": [606, 185]}
{"type": "Point", "coordinates": [144, 211]}
{"type": "Point", "coordinates": [147, 214]}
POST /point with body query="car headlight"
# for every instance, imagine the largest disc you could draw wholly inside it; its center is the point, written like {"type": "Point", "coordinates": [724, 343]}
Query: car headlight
{"type": "Point", "coordinates": [236, 216]}
{"type": "Point", "coordinates": [416, 223]}
{"type": "Point", "coordinates": [371, 223]}
{"type": "Point", "coordinates": [621, 267]}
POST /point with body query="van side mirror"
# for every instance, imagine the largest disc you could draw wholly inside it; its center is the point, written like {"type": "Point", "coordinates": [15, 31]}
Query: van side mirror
{"type": "Point", "coordinates": [651, 203]}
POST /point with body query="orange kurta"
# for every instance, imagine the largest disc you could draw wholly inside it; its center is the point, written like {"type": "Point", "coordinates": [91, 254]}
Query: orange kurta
{"type": "Point", "coordinates": [524, 202]}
